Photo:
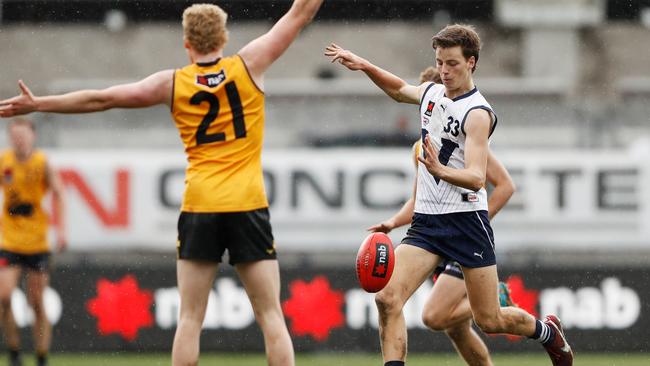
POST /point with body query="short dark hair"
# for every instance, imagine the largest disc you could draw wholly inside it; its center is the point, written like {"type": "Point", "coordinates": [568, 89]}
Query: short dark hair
{"type": "Point", "coordinates": [462, 35]}
{"type": "Point", "coordinates": [22, 122]}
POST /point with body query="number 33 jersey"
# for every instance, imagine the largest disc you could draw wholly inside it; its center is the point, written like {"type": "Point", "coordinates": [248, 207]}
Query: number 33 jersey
{"type": "Point", "coordinates": [443, 119]}
{"type": "Point", "coordinates": [219, 113]}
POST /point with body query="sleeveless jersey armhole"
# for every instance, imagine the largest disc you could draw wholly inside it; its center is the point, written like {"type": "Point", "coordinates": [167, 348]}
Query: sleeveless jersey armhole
{"type": "Point", "coordinates": [250, 77]}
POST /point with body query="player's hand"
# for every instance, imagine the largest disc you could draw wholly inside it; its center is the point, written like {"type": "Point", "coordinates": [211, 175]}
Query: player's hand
{"type": "Point", "coordinates": [431, 161]}
{"type": "Point", "coordinates": [22, 104]}
{"type": "Point", "coordinates": [345, 57]}
{"type": "Point", "coordinates": [383, 227]}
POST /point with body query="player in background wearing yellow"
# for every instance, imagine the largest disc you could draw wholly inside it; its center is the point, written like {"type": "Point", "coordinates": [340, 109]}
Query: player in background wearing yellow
{"type": "Point", "coordinates": [26, 178]}
{"type": "Point", "coordinates": [217, 103]}
{"type": "Point", "coordinates": [447, 308]}
{"type": "Point", "coordinates": [451, 218]}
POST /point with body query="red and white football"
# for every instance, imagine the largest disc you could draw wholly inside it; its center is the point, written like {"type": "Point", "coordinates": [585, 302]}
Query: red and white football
{"type": "Point", "coordinates": [375, 262]}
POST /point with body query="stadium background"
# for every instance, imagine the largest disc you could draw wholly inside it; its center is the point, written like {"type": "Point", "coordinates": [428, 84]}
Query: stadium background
{"type": "Point", "coordinates": [570, 81]}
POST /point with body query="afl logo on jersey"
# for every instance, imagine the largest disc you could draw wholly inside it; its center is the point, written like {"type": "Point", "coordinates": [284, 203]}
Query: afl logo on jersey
{"type": "Point", "coordinates": [211, 80]}
{"type": "Point", "coordinates": [429, 110]}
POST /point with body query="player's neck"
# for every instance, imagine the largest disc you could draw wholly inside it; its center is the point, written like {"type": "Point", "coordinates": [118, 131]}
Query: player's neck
{"type": "Point", "coordinates": [23, 155]}
{"type": "Point", "coordinates": [209, 57]}
{"type": "Point", "coordinates": [463, 89]}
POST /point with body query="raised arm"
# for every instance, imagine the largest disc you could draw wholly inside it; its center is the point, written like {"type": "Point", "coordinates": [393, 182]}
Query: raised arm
{"type": "Point", "coordinates": [155, 89]}
{"type": "Point", "coordinates": [477, 130]}
{"type": "Point", "coordinates": [259, 54]}
{"type": "Point", "coordinates": [504, 187]}
{"type": "Point", "coordinates": [392, 85]}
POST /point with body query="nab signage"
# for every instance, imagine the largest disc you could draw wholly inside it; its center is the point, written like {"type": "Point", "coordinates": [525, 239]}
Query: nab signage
{"type": "Point", "coordinates": [102, 306]}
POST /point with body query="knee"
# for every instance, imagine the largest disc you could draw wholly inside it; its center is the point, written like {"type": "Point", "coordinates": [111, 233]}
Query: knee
{"type": "Point", "coordinates": [5, 302]}
{"type": "Point", "coordinates": [39, 308]}
{"type": "Point", "coordinates": [5, 296]}
{"type": "Point", "coordinates": [271, 318]}
{"type": "Point", "coordinates": [36, 302]}
{"type": "Point", "coordinates": [191, 324]}
{"type": "Point", "coordinates": [388, 302]}
{"type": "Point", "coordinates": [488, 324]}
{"type": "Point", "coordinates": [190, 318]}
{"type": "Point", "coordinates": [434, 320]}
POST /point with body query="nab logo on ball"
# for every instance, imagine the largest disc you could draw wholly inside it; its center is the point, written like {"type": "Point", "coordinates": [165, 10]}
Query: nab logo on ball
{"type": "Point", "coordinates": [381, 260]}
{"type": "Point", "coordinates": [375, 262]}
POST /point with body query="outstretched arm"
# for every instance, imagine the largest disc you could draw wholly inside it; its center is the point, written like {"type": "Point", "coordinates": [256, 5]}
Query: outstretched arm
{"type": "Point", "coordinates": [504, 187]}
{"type": "Point", "coordinates": [391, 84]}
{"type": "Point", "coordinates": [477, 128]}
{"type": "Point", "coordinates": [155, 89]}
{"type": "Point", "coordinates": [259, 54]}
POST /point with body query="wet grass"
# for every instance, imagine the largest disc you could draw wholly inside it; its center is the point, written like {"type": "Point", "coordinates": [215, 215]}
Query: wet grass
{"type": "Point", "coordinates": [333, 359]}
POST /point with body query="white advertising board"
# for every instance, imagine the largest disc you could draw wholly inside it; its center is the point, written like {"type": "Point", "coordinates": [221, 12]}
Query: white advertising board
{"type": "Point", "coordinates": [324, 199]}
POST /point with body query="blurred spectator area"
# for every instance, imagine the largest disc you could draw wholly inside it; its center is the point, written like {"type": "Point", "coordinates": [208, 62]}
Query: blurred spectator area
{"type": "Point", "coordinates": [72, 11]}
{"type": "Point", "coordinates": [68, 11]}
{"type": "Point", "coordinates": [583, 85]}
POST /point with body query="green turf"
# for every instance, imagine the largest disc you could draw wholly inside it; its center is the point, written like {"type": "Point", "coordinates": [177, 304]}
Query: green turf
{"type": "Point", "coordinates": [334, 359]}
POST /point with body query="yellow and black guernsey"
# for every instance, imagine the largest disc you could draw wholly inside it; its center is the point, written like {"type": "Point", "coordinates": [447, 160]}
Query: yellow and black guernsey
{"type": "Point", "coordinates": [24, 184]}
{"type": "Point", "coordinates": [219, 113]}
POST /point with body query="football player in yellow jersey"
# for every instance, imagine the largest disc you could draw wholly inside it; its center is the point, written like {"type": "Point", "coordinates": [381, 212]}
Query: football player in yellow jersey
{"type": "Point", "coordinates": [217, 103]}
{"type": "Point", "coordinates": [26, 177]}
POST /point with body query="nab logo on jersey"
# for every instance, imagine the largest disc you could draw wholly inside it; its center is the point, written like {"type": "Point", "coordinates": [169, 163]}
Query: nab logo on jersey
{"type": "Point", "coordinates": [211, 80]}
{"type": "Point", "coordinates": [429, 110]}
{"type": "Point", "coordinates": [8, 176]}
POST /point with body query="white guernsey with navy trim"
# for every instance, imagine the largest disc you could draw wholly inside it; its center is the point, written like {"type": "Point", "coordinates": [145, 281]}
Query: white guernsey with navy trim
{"type": "Point", "coordinates": [443, 119]}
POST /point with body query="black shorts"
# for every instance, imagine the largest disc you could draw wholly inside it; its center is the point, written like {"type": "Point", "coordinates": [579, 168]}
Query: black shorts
{"type": "Point", "coordinates": [451, 268]}
{"type": "Point", "coordinates": [206, 236]}
{"type": "Point", "coordinates": [35, 262]}
{"type": "Point", "coordinates": [464, 237]}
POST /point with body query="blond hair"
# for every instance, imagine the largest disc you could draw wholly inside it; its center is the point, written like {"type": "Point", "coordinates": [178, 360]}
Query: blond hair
{"type": "Point", "coordinates": [204, 27]}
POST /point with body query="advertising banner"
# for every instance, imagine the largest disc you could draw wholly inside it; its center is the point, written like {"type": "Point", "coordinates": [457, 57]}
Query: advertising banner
{"type": "Point", "coordinates": [324, 199]}
{"type": "Point", "coordinates": [109, 307]}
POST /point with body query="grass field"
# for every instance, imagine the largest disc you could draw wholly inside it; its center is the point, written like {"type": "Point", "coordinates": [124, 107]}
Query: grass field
{"type": "Point", "coordinates": [341, 359]}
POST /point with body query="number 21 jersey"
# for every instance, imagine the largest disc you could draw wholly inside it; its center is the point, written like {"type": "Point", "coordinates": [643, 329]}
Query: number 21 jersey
{"type": "Point", "coordinates": [219, 113]}
{"type": "Point", "coordinates": [443, 119]}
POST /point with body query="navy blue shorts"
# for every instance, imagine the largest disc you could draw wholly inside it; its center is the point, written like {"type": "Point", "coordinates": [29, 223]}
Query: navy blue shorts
{"type": "Point", "coordinates": [464, 237]}
{"type": "Point", "coordinates": [450, 268]}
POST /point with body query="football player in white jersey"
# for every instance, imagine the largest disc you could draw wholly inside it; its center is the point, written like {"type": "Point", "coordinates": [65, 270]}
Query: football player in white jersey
{"type": "Point", "coordinates": [447, 308]}
{"type": "Point", "coordinates": [450, 219]}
